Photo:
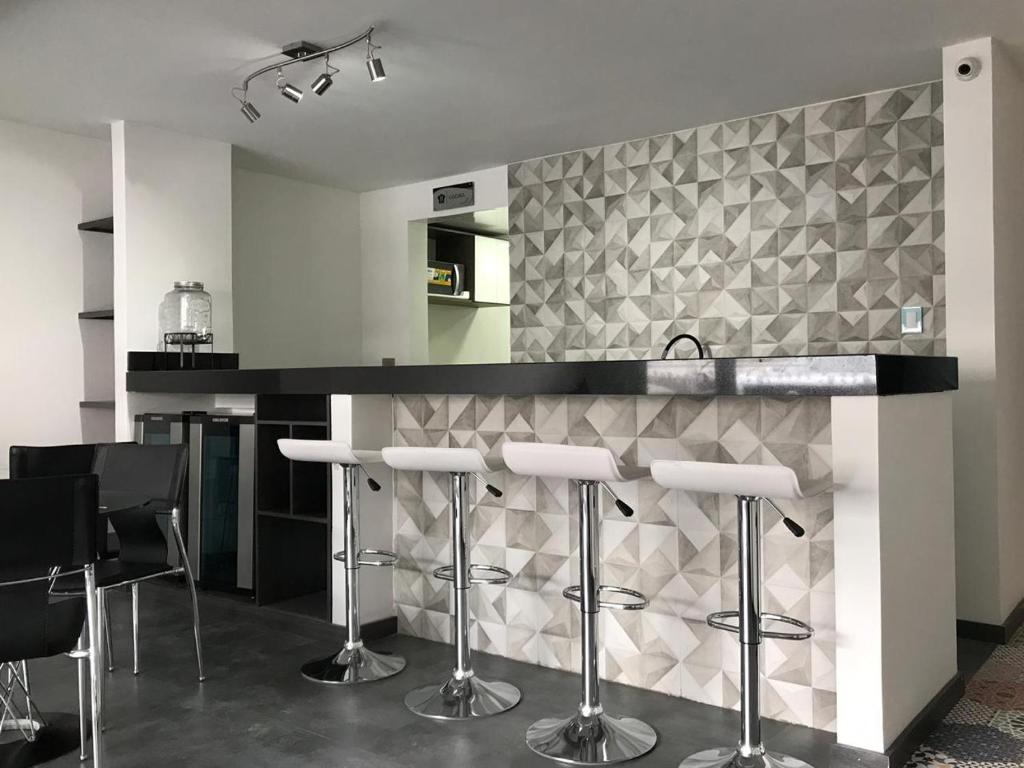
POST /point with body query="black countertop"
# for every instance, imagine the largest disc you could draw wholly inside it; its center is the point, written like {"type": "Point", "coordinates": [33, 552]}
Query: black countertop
{"type": "Point", "coordinates": [826, 375]}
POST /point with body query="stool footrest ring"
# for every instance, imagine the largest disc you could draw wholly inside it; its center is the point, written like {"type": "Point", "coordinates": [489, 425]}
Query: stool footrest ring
{"type": "Point", "coordinates": [639, 600]}
{"type": "Point", "coordinates": [376, 558]}
{"type": "Point", "coordinates": [478, 574]}
{"type": "Point", "coordinates": [723, 620]}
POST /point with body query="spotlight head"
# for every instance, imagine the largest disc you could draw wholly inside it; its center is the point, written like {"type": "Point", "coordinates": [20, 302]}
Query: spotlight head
{"type": "Point", "coordinates": [376, 68]}
{"type": "Point", "coordinates": [291, 93]}
{"type": "Point", "coordinates": [288, 90]}
{"type": "Point", "coordinates": [251, 113]}
{"type": "Point", "coordinates": [321, 84]}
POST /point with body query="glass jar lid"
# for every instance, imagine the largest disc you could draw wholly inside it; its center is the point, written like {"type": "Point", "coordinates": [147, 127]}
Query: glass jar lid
{"type": "Point", "coordinates": [188, 285]}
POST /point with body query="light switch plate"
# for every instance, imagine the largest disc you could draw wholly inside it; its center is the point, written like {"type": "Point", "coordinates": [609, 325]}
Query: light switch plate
{"type": "Point", "coordinates": [912, 320]}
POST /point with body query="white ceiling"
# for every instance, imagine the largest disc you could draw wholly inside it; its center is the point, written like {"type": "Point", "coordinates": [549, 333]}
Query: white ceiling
{"type": "Point", "coordinates": [471, 83]}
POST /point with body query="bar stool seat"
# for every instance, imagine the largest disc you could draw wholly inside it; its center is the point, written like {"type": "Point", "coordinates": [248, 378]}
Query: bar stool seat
{"type": "Point", "coordinates": [589, 737]}
{"type": "Point", "coordinates": [752, 485]}
{"type": "Point", "coordinates": [582, 463]}
{"type": "Point", "coordinates": [354, 663]}
{"type": "Point", "coordinates": [463, 695]}
{"type": "Point", "coordinates": [326, 452]}
{"type": "Point", "coordinates": [416, 459]}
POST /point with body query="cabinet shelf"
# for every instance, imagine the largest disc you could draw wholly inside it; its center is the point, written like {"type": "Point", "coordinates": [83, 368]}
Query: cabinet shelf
{"type": "Point", "coordinates": [105, 226]}
{"type": "Point", "coordinates": [455, 301]}
{"type": "Point", "coordinates": [97, 314]}
{"type": "Point", "coordinates": [99, 404]}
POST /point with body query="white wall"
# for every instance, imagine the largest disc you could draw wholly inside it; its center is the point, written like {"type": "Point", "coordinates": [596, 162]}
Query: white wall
{"type": "Point", "coordinates": [984, 151]}
{"type": "Point", "coordinates": [1008, 239]}
{"type": "Point", "coordinates": [465, 335]}
{"type": "Point", "coordinates": [51, 182]}
{"type": "Point", "coordinates": [295, 273]}
{"type": "Point", "coordinates": [172, 213]}
{"type": "Point", "coordinates": [394, 243]}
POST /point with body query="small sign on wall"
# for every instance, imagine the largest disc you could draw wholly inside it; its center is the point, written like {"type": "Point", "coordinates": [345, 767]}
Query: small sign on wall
{"type": "Point", "coordinates": [453, 196]}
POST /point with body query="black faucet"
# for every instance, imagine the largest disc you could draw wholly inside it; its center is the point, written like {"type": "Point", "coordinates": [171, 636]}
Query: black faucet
{"type": "Point", "coordinates": [696, 342]}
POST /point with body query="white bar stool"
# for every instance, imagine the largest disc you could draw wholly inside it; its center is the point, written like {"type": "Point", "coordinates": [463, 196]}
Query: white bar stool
{"type": "Point", "coordinates": [354, 663]}
{"type": "Point", "coordinates": [589, 737]}
{"type": "Point", "coordinates": [463, 696]}
{"type": "Point", "coordinates": [751, 485]}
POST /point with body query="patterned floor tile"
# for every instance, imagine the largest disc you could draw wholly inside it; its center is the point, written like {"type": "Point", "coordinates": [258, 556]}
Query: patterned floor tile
{"type": "Point", "coordinates": [986, 727]}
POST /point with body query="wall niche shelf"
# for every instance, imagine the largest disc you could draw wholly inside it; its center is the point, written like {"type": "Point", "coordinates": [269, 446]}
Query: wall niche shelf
{"type": "Point", "coordinates": [458, 301]}
{"type": "Point", "coordinates": [107, 405]}
{"type": "Point", "coordinates": [97, 314]}
{"type": "Point", "coordinates": [106, 225]}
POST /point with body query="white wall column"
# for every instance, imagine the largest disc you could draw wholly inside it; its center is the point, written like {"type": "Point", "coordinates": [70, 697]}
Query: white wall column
{"type": "Point", "coordinates": [172, 221]}
{"type": "Point", "coordinates": [895, 594]}
{"type": "Point", "coordinates": [984, 155]}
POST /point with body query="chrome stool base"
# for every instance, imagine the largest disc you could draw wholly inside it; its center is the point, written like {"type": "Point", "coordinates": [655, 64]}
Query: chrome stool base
{"type": "Point", "coordinates": [595, 740]}
{"type": "Point", "coordinates": [463, 699]}
{"type": "Point", "coordinates": [353, 665]}
{"type": "Point", "coordinates": [729, 757]}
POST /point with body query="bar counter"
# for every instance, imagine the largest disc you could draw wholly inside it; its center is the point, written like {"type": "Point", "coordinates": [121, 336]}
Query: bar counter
{"type": "Point", "coordinates": [823, 375]}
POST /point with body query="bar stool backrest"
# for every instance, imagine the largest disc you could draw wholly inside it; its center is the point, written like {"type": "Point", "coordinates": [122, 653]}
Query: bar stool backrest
{"type": "Point", "coordinates": [45, 523]}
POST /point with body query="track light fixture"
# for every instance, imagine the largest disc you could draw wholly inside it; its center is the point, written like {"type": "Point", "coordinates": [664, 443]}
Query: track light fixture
{"type": "Point", "coordinates": [323, 80]}
{"type": "Point", "coordinates": [288, 90]}
{"type": "Point", "coordinates": [304, 52]}
{"type": "Point", "coordinates": [374, 65]}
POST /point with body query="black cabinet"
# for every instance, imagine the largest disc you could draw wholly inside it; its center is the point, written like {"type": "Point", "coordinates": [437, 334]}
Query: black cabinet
{"type": "Point", "coordinates": [293, 507]}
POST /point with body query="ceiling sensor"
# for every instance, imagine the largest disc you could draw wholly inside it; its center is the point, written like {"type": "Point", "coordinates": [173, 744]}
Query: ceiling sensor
{"type": "Point", "coordinates": [968, 69]}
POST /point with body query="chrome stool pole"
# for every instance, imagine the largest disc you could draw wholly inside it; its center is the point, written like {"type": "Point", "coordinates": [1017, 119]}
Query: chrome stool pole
{"type": "Point", "coordinates": [590, 737]}
{"type": "Point", "coordinates": [354, 663]}
{"type": "Point", "coordinates": [464, 695]}
{"type": "Point", "coordinates": [750, 752]}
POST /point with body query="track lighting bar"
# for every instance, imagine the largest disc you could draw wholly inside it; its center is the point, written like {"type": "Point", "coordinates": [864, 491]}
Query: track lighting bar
{"type": "Point", "coordinates": [304, 52]}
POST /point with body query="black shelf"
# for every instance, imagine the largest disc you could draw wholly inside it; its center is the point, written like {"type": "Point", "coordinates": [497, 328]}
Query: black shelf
{"type": "Point", "coordinates": [100, 404]}
{"type": "Point", "coordinates": [319, 519]}
{"type": "Point", "coordinates": [455, 301]}
{"type": "Point", "coordinates": [293, 499]}
{"type": "Point", "coordinates": [106, 226]}
{"type": "Point", "coordinates": [97, 314]}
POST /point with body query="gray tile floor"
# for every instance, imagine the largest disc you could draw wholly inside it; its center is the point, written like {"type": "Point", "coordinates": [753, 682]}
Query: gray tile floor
{"type": "Point", "coordinates": [256, 710]}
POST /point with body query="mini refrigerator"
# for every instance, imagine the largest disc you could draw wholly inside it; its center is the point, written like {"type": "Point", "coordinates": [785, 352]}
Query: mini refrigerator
{"type": "Point", "coordinates": [221, 500]}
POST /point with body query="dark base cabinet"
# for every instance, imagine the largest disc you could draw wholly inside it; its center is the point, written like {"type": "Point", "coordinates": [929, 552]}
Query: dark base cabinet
{"type": "Point", "coordinates": [293, 506]}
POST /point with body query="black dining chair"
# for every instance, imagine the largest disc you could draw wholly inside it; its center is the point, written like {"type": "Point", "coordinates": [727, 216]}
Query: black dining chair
{"type": "Point", "coordinates": [28, 461]}
{"type": "Point", "coordinates": [48, 525]}
{"type": "Point", "coordinates": [141, 488]}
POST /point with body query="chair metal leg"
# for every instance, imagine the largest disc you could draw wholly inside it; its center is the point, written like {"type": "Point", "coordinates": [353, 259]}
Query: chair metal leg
{"type": "Point", "coordinates": [95, 665]}
{"type": "Point", "coordinates": [463, 696]}
{"type": "Point", "coordinates": [590, 737]}
{"type": "Point", "coordinates": [81, 656]}
{"type": "Point", "coordinates": [108, 645]}
{"type": "Point", "coordinates": [14, 685]}
{"type": "Point", "coordinates": [354, 663]}
{"type": "Point", "coordinates": [750, 752]}
{"type": "Point", "coordinates": [192, 590]}
{"type": "Point", "coordinates": [135, 629]}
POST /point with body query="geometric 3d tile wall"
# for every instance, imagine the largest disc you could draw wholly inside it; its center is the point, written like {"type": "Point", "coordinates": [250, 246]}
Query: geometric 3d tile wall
{"type": "Point", "coordinates": [796, 232]}
{"type": "Point", "coordinates": [679, 549]}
